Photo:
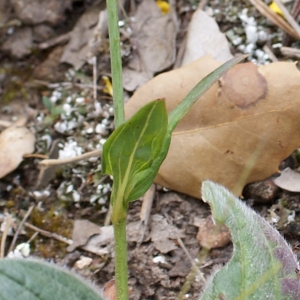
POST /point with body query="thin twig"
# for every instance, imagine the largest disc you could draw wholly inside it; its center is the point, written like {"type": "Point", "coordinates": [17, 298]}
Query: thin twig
{"type": "Point", "coordinates": [107, 220]}
{"type": "Point", "coordinates": [296, 9]}
{"type": "Point", "coordinates": [289, 17]}
{"type": "Point", "coordinates": [64, 38]}
{"type": "Point", "coordinates": [65, 84]}
{"type": "Point", "coordinates": [290, 52]}
{"type": "Point", "coordinates": [193, 273]}
{"type": "Point", "coordinates": [5, 123]}
{"type": "Point", "coordinates": [60, 162]}
{"type": "Point", "coordinates": [49, 234]}
{"type": "Point", "coordinates": [32, 237]}
{"type": "Point", "coordinates": [280, 22]}
{"type": "Point", "coordinates": [145, 211]}
{"type": "Point", "coordinates": [270, 53]}
{"type": "Point", "coordinates": [194, 265]}
{"type": "Point", "coordinates": [95, 77]}
{"type": "Point", "coordinates": [62, 239]}
{"type": "Point", "coordinates": [35, 155]}
{"type": "Point", "coordinates": [12, 244]}
{"type": "Point", "coordinates": [8, 222]}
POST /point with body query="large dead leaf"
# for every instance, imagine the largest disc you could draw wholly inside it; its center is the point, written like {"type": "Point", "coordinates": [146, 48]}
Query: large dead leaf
{"type": "Point", "coordinates": [15, 141]}
{"type": "Point", "coordinates": [237, 132]}
{"type": "Point", "coordinates": [154, 35]}
{"type": "Point", "coordinates": [76, 50]}
{"type": "Point", "coordinates": [204, 37]}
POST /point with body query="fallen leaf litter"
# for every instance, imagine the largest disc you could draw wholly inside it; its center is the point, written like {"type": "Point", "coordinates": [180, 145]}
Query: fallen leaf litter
{"type": "Point", "coordinates": [80, 120]}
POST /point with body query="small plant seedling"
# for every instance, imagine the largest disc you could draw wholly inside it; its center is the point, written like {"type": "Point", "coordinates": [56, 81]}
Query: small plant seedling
{"type": "Point", "coordinates": [137, 147]}
{"type": "Point", "coordinates": [263, 266]}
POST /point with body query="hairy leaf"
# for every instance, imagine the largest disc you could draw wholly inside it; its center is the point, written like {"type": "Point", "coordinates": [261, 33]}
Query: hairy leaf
{"type": "Point", "coordinates": [22, 279]}
{"type": "Point", "coordinates": [263, 265]}
{"type": "Point", "coordinates": [132, 149]}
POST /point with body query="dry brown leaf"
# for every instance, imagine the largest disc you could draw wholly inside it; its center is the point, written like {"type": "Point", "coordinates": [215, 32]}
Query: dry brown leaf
{"type": "Point", "coordinates": [204, 37]}
{"type": "Point", "coordinates": [15, 141]}
{"type": "Point", "coordinates": [163, 234]}
{"type": "Point", "coordinates": [82, 231]}
{"type": "Point", "coordinates": [154, 36]}
{"type": "Point", "coordinates": [109, 290]}
{"type": "Point", "coordinates": [76, 50]}
{"type": "Point", "coordinates": [237, 133]}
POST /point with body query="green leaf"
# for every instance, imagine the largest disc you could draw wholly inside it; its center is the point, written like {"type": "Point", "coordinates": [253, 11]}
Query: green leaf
{"type": "Point", "coordinates": [47, 103]}
{"type": "Point", "coordinates": [183, 107]}
{"type": "Point", "coordinates": [262, 266]}
{"type": "Point", "coordinates": [57, 110]}
{"type": "Point", "coordinates": [141, 185]}
{"type": "Point", "coordinates": [22, 279]}
{"type": "Point", "coordinates": [132, 149]}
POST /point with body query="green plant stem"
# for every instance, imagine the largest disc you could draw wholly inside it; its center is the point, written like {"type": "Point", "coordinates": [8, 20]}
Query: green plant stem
{"type": "Point", "coordinates": [119, 223]}
{"type": "Point", "coordinates": [121, 260]}
{"type": "Point", "coordinates": [192, 274]}
{"type": "Point", "coordinates": [116, 62]}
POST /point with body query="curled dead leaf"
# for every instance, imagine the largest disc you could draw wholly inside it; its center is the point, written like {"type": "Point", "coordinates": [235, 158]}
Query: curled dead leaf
{"type": "Point", "coordinates": [237, 132]}
{"type": "Point", "coordinates": [288, 180]}
{"type": "Point", "coordinates": [15, 141]}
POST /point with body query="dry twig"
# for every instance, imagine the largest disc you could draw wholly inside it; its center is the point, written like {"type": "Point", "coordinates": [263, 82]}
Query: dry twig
{"type": "Point", "coordinates": [20, 228]}
{"type": "Point", "coordinates": [59, 162]}
{"type": "Point", "coordinates": [272, 16]}
{"type": "Point", "coordinates": [8, 222]}
{"type": "Point", "coordinates": [62, 39]}
{"type": "Point", "coordinates": [270, 53]}
{"type": "Point", "coordinates": [289, 17]}
{"type": "Point", "coordinates": [37, 82]}
{"type": "Point", "coordinates": [62, 239]}
{"type": "Point", "coordinates": [290, 52]}
{"type": "Point", "coordinates": [193, 273]}
{"type": "Point", "coordinates": [146, 210]}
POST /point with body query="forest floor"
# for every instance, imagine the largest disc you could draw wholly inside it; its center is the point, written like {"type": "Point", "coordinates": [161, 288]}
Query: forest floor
{"type": "Point", "coordinates": [49, 76]}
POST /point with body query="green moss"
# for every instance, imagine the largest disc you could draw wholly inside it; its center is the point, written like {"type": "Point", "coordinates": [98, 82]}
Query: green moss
{"type": "Point", "coordinates": [54, 222]}
{"type": "Point", "coordinates": [15, 83]}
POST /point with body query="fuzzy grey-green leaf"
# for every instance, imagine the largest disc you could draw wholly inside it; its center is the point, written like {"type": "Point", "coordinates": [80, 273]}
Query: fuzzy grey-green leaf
{"type": "Point", "coordinates": [22, 279]}
{"type": "Point", "coordinates": [263, 265]}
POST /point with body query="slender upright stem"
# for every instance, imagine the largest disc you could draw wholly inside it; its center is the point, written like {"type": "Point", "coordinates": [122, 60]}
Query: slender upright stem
{"type": "Point", "coordinates": [118, 213]}
{"type": "Point", "coordinates": [121, 260]}
{"type": "Point", "coordinates": [116, 62]}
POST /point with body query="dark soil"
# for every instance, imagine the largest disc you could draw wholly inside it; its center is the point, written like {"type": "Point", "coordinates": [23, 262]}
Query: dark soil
{"type": "Point", "coordinates": [31, 73]}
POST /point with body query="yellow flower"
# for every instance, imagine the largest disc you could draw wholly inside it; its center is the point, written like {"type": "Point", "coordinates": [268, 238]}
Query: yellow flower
{"type": "Point", "coordinates": [108, 89]}
{"type": "Point", "coordinates": [163, 5]}
{"type": "Point", "coordinates": [275, 8]}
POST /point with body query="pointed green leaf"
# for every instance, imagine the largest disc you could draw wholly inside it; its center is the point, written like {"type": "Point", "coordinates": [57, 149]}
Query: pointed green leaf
{"type": "Point", "coordinates": [22, 279]}
{"type": "Point", "coordinates": [263, 265]}
{"type": "Point", "coordinates": [133, 147]}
